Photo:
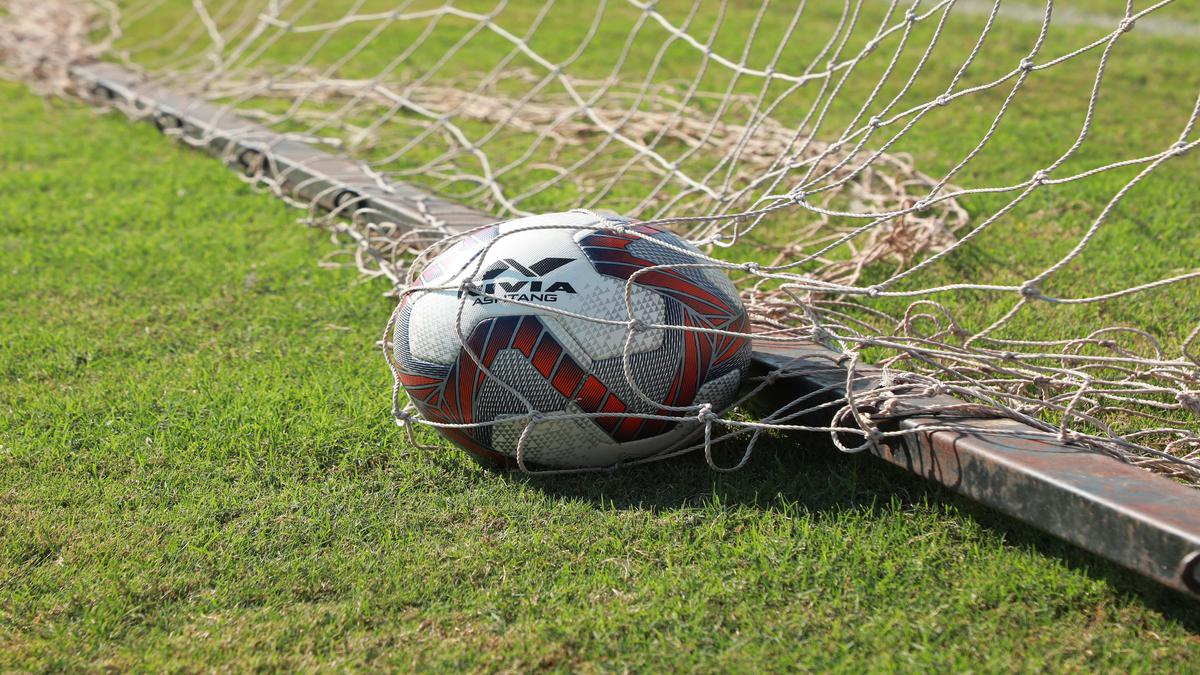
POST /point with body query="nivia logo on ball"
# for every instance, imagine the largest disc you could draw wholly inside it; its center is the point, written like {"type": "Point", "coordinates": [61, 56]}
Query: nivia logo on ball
{"type": "Point", "coordinates": [534, 288]}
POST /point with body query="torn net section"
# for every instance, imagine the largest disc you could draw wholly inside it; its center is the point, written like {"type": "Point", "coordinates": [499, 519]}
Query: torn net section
{"type": "Point", "coordinates": [983, 203]}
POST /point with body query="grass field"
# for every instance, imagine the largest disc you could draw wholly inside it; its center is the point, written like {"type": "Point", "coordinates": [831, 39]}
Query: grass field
{"type": "Point", "coordinates": [197, 471]}
{"type": "Point", "coordinates": [1149, 90]}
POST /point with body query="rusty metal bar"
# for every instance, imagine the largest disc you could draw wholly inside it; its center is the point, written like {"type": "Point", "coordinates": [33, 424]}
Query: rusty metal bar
{"type": "Point", "coordinates": [306, 173]}
{"type": "Point", "coordinates": [1142, 521]}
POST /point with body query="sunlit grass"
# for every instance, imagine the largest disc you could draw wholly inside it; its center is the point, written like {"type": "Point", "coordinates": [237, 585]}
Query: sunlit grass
{"type": "Point", "coordinates": [197, 470]}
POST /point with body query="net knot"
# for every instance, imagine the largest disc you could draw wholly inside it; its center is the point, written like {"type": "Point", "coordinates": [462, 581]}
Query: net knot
{"type": "Point", "coordinates": [1039, 177]}
{"type": "Point", "coordinates": [1026, 64]}
{"type": "Point", "coordinates": [1067, 435]}
{"type": "Point", "coordinates": [875, 122]}
{"type": "Point", "coordinates": [1126, 25]}
{"type": "Point", "coordinates": [706, 414]}
{"type": "Point", "coordinates": [751, 267]}
{"type": "Point", "coordinates": [933, 390]}
{"type": "Point", "coordinates": [799, 197]}
{"type": "Point", "coordinates": [874, 436]}
{"type": "Point", "coordinates": [1030, 290]}
{"type": "Point", "coordinates": [874, 291]}
{"type": "Point", "coordinates": [638, 326]}
{"type": "Point", "coordinates": [1189, 400]}
{"type": "Point", "coordinates": [402, 417]}
{"type": "Point", "coordinates": [889, 407]}
{"type": "Point", "coordinates": [941, 100]}
{"type": "Point", "coordinates": [911, 15]}
{"type": "Point", "coordinates": [1178, 148]}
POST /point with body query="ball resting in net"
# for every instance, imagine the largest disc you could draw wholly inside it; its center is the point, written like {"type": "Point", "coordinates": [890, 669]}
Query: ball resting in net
{"type": "Point", "coordinates": [938, 189]}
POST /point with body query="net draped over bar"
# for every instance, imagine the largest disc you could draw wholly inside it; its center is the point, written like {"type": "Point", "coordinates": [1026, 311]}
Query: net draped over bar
{"type": "Point", "coordinates": [938, 188]}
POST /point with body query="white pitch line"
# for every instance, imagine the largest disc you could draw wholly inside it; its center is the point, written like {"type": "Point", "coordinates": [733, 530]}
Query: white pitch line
{"type": "Point", "coordinates": [1029, 13]}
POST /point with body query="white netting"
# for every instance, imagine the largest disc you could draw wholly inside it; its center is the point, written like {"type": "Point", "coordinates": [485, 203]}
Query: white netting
{"type": "Point", "coordinates": [995, 202]}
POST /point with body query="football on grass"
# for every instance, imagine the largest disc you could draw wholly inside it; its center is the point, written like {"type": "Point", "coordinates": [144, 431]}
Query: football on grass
{"type": "Point", "coordinates": [526, 324]}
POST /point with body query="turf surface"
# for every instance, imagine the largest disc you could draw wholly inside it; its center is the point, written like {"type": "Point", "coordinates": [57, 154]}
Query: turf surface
{"type": "Point", "coordinates": [1148, 91]}
{"type": "Point", "coordinates": [197, 471]}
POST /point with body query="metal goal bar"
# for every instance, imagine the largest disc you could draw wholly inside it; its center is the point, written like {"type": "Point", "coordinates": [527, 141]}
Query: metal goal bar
{"type": "Point", "coordinates": [1142, 521]}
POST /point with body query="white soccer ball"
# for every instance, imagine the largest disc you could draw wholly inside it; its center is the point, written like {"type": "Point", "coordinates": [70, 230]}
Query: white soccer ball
{"type": "Point", "coordinates": [518, 339]}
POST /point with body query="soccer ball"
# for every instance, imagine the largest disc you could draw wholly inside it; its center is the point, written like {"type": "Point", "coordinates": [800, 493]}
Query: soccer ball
{"type": "Point", "coordinates": [498, 344]}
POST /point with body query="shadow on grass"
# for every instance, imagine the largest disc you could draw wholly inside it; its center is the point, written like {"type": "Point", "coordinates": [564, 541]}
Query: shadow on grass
{"type": "Point", "coordinates": [806, 472]}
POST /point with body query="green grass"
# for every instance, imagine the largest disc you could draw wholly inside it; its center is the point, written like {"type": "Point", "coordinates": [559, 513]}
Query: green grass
{"type": "Point", "coordinates": [197, 471]}
{"type": "Point", "coordinates": [1148, 92]}
{"type": "Point", "coordinates": [1147, 95]}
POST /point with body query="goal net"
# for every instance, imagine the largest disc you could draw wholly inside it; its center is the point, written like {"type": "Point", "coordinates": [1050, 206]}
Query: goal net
{"type": "Point", "coordinates": [990, 200]}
